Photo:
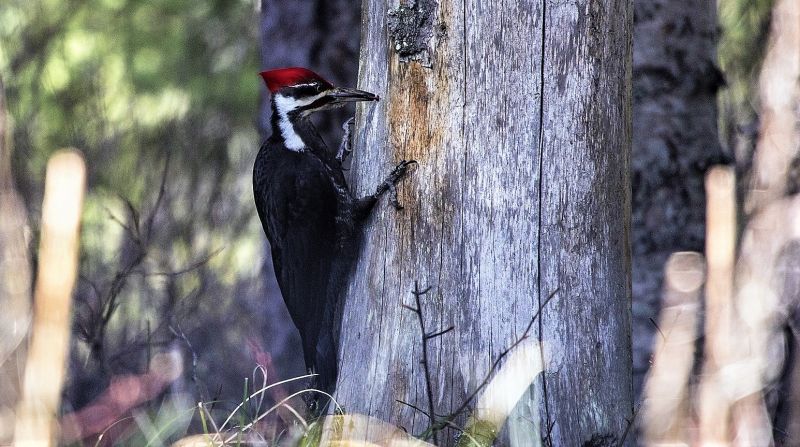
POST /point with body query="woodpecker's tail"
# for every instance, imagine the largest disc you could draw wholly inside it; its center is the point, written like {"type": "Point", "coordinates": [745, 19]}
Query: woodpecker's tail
{"type": "Point", "coordinates": [326, 360]}
{"type": "Point", "coordinates": [327, 370]}
{"type": "Point", "coordinates": [326, 363]}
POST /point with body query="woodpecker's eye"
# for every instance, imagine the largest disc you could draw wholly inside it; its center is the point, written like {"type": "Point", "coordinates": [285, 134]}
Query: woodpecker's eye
{"type": "Point", "coordinates": [309, 89]}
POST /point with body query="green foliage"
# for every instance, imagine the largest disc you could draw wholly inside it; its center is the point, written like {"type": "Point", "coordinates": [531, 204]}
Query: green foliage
{"type": "Point", "coordinates": [312, 436]}
{"type": "Point", "coordinates": [128, 81]}
{"type": "Point", "coordinates": [478, 433]}
{"type": "Point", "coordinates": [745, 26]}
{"type": "Point", "coordinates": [745, 29]}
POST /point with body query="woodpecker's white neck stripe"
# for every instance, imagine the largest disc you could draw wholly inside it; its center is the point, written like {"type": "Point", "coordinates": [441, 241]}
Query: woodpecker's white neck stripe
{"type": "Point", "coordinates": [284, 105]}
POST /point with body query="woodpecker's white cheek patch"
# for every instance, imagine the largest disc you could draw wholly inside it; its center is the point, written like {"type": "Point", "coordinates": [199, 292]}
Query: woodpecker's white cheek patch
{"type": "Point", "coordinates": [284, 105]}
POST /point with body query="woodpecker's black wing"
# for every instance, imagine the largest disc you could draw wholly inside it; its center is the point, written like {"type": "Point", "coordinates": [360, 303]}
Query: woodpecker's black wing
{"type": "Point", "coordinates": [297, 204]}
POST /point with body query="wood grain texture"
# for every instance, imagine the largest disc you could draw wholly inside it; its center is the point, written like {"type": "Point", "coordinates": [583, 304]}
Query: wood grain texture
{"type": "Point", "coordinates": [521, 126]}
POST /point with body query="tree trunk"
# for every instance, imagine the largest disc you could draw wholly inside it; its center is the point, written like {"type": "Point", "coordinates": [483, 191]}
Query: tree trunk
{"type": "Point", "coordinates": [519, 116]}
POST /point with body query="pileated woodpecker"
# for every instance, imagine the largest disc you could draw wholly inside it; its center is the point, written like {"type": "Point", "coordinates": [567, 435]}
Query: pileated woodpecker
{"type": "Point", "coordinates": [307, 210]}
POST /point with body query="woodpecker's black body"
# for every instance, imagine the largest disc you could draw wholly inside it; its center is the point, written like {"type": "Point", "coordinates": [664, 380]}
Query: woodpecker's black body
{"type": "Point", "coordinates": [308, 212]}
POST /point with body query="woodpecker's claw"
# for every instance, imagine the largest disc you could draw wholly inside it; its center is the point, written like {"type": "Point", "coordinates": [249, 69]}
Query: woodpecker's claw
{"type": "Point", "coordinates": [393, 197]}
{"type": "Point", "coordinates": [389, 182]}
{"type": "Point", "coordinates": [346, 146]}
{"type": "Point", "coordinates": [401, 170]}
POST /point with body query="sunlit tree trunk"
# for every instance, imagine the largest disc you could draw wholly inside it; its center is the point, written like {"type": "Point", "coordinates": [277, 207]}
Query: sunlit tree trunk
{"type": "Point", "coordinates": [519, 115]}
{"type": "Point", "coordinates": [774, 176]}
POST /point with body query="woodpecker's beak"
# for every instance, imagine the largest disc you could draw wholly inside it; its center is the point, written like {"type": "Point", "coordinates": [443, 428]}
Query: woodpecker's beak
{"type": "Point", "coordinates": [341, 95]}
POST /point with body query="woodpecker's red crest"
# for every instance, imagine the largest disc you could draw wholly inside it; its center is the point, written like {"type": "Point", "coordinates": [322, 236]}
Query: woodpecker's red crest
{"type": "Point", "coordinates": [286, 77]}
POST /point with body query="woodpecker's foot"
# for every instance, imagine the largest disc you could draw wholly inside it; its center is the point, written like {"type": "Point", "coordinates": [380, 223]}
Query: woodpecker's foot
{"type": "Point", "coordinates": [312, 403]}
{"type": "Point", "coordinates": [393, 197]}
{"type": "Point", "coordinates": [346, 146]}
{"type": "Point", "coordinates": [311, 398]}
{"type": "Point", "coordinates": [391, 180]}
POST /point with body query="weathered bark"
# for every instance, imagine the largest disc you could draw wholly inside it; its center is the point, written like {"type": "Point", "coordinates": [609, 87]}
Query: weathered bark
{"type": "Point", "coordinates": [675, 81]}
{"type": "Point", "coordinates": [519, 116]}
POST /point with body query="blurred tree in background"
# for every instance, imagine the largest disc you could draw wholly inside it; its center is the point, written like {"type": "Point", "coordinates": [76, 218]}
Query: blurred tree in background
{"type": "Point", "coordinates": [320, 34]}
{"type": "Point", "coordinates": [745, 29]}
{"type": "Point", "coordinates": [675, 140]}
{"type": "Point", "coordinates": [696, 66]}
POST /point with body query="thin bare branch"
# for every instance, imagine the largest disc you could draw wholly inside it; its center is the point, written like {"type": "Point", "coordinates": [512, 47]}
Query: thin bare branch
{"type": "Point", "coordinates": [440, 333]}
{"type": "Point", "coordinates": [426, 366]}
{"type": "Point", "coordinates": [161, 191]}
{"type": "Point", "coordinates": [412, 406]}
{"type": "Point", "coordinates": [655, 325]}
{"type": "Point", "coordinates": [497, 362]}
{"type": "Point", "coordinates": [412, 309]}
{"type": "Point", "coordinates": [192, 267]}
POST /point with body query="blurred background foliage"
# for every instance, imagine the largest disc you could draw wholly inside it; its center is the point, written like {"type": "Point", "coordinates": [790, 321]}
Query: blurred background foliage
{"type": "Point", "coordinates": [162, 97]}
{"type": "Point", "coordinates": [744, 32]}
